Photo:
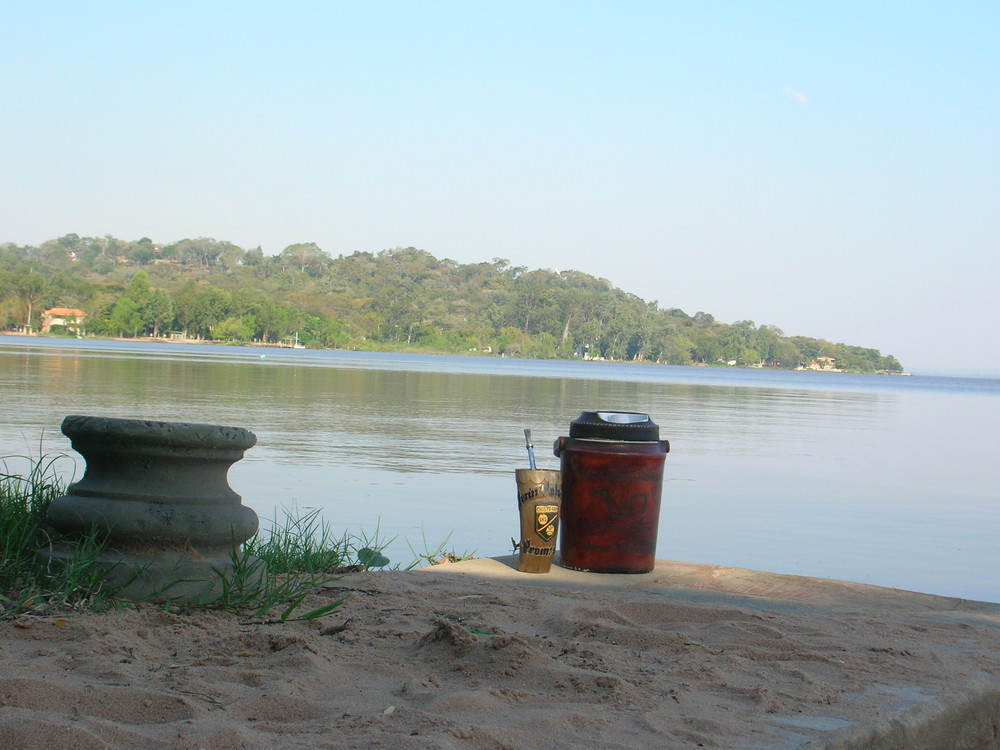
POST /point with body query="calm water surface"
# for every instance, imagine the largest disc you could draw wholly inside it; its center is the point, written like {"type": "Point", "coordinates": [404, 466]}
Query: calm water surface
{"type": "Point", "coordinates": [882, 480]}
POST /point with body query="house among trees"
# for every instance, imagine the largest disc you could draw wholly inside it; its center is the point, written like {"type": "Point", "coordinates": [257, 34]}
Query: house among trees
{"type": "Point", "coordinates": [68, 317]}
{"type": "Point", "coordinates": [823, 363]}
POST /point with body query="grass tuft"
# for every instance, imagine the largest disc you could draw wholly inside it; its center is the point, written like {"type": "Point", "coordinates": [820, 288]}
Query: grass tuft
{"type": "Point", "coordinates": [436, 555]}
{"type": "Point", "coordinates": [300, 544]}
{"type": "Point", "coordinates": [269, 576]}
{"type": "Point", "coordinates": [279, 568]}
{"type": "Point", "coordinates": [24, 585]}
{"type": "Point", "coordinates": [274, 570]}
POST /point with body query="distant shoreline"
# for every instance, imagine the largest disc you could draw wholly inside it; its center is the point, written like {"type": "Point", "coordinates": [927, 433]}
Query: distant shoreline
{"type": "Point", "coordinates": [254, 344]}
{"type": "Point", "coordinates": [977, 373]}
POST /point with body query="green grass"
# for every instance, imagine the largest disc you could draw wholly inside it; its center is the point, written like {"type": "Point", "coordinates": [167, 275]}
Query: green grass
{"type": "Point", "coordinates": [25, 586]}
{"type": "Point", "coordinates": [23, 503]}
{"type": "Point", "coordinates": [274, 570]}
{"type": "Point", "coordinates": [278, 568]}
{"type": "Point", "coordinates": [306, 544]}
{"type": "Point", "coordinates": [270, 575]}
{"type": "Point", "coordinates": [436, 555]}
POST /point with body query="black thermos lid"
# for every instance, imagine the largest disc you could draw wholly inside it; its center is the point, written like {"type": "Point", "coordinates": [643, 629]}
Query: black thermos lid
{"type": "Point", "coordinates": [614, 425]}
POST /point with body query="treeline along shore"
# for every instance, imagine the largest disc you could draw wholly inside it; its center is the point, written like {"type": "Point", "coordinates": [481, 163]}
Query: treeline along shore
{"type": "Point", "coordinates": [402, 299]}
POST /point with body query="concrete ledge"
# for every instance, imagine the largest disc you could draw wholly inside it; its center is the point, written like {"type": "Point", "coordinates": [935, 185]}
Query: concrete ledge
{"type": "Point", "coordinates": [933, 713]}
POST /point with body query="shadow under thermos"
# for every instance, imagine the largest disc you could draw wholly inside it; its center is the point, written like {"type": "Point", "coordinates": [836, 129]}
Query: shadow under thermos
{"type": "Point", "coordinates": [612, 481]}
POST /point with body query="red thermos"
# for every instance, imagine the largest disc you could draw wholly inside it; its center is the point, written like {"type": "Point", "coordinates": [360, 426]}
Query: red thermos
{"type": "Point", "coordinates": [612, 478]}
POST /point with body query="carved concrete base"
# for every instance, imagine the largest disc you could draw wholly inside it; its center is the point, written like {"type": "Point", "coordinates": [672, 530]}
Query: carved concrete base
{"type": "Point", "coordinates": [159, 491]}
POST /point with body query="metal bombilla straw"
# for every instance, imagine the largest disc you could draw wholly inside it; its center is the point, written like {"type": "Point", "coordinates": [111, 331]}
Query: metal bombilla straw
{"type": "Point", "coordinates": [538, 502]}
{"type": "Point", "coordinates": [531, 449]}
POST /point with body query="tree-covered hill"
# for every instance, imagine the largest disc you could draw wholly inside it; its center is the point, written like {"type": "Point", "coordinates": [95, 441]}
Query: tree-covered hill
{"type": "Point", "coordinates": [394, 299]}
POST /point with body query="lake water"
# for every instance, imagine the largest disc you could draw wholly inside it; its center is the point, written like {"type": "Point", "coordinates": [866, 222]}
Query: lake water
{"type": "Point", "coordinates": [883, 480]}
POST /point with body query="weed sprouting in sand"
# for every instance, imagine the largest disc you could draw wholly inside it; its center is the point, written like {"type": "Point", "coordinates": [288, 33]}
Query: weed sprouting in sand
{"type": "Point", "coordinates": [279, 567]}
{"type": "Point", "coordinates": [300, 544]}
{"type": "Point", "coordinates": [436, 555]}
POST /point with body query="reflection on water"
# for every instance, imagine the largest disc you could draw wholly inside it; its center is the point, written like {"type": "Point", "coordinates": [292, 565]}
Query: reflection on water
{"type": "Point", "coordinates": [880, 480]}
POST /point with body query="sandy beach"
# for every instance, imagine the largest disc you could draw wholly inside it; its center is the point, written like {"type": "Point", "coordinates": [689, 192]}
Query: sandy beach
{"type": "Point", "coordinates": [476, 655]}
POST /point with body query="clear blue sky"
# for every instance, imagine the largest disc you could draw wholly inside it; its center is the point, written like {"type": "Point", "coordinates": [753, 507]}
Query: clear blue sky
{"type": "Point", "coordinates": [831, 168]}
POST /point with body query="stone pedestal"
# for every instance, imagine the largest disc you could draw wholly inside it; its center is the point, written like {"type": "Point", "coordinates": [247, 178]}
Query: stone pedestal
{"type": "Point", "coordinates": [160, 492]}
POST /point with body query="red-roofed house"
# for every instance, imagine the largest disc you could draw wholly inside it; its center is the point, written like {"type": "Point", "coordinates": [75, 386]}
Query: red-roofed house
{"type": "Point", "coordinates": [68, 317]}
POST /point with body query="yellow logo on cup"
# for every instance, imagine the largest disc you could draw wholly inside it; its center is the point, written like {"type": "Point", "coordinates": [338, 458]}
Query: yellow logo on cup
{"type": "Point", "coordinates": [546, 521]}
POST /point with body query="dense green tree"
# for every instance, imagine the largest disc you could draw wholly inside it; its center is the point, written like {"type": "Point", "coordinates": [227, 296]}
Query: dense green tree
{"type": "Point", "coordinates": [203, 251]}
{"type": "Point", "coordinates": [55, 253]}
{"type": "Point", "coordinates": [307, 257]}
{"type": "Point", "coordinates": [142, 252]}
{"type": "Point", "coordinates": [200, 307]}
{"type": "Point", "coordinates": [784, 354]}
{"type": "Point", "coordinates": [158, 312]}
{"type": "Point", "coordinates": [706, 349]}
{"type": "Point", "coordinates": [233, 329]}
{"type": "Point", "coordinates": [253, 257]}
{"type": "Point", "coordinates": [125, 318]}
{"type": "Point", "coordinates": [30, 287]}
